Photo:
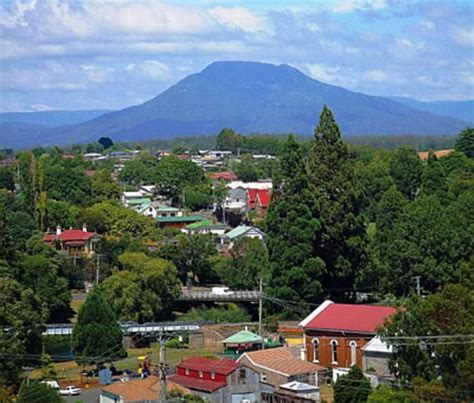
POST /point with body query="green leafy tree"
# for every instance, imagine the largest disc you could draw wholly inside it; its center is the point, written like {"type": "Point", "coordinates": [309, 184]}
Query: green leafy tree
{"type": "Point", "coordinates": [248, 264]}
{"type": "Point", "coordinates": [197, 197]}
{"type": "Point", "coordinates": [246, 169]}
{"type": "Point", "coordinates": [139, 170]}
{"type": "Point", "coordinates": [39, 393]}
{"type": "Point", "coordinates": [290, 225]}
{"type": "Point", "coordinates": [106, 142]}
{"type": "Point", "coordinates": [21, 324]}
{"type": "Point", "coordinates": [62, 213]}
{"type": "Point", "coordinates": [465, 142]}
{"type": "Point", "coordinates": [191, 255]}
{"type": "Point", "coordinates": [341, 243]}
{"type": "Point", "coordinates": [449, 312]}
{"type": "Point", "coordinates": [97, 336]}
{"type": "Point", "coordinates": [104, 187]}
{"type": "Point", "coordinates": [387, 394]}
{"type": "Point", "coordinates": [406, 170]}
{"type": "Point", "coordinates": [433, 178]}
{"type": "Point", "coordinates": [228, 140]}
{"type": "Point", "coordinates": [230, 313]}
{"type": "Point", "coordinates": [172, 175]}
{"type": "Point", "coordinates": [352, 388]}
{"type": "Point", "coordinates": [6, 178]}
{"type": "Point", "coordinates": [41, 275]}
{"type": "Point", "coordinates": [145, 290]}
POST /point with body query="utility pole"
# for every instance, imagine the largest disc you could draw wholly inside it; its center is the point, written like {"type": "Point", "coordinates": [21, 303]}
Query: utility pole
{"type": "Point", "coordinates": [97, 269]}
{"type": "Point", "coordinates": [260, 309]}
{"type": "Point", "coordinates": [418, 286]}
{"type": "Point", "coordinates": [162, 341]}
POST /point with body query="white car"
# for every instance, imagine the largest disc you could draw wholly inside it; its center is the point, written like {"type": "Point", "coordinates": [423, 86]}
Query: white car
{"type": "Point", "coordinates": [70, 391]}
{"type": "Point", "coordinates": [51, 384]}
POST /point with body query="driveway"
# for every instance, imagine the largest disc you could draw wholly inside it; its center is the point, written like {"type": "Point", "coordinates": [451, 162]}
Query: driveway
{"type": "Point", "coordinates": [87, 396]}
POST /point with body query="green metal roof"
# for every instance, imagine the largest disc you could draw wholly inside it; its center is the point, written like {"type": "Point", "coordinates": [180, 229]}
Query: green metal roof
{"type": "Point", "coordinates": [178, 219]}
{"type": "Point", "coordinates": [204, 224]}
{"type": "Point", "coordinates": [137, 202]}
{"type": "Point", "coordinates": [166, 209]}
{"type": "Point", "coordinates": [244, 336]}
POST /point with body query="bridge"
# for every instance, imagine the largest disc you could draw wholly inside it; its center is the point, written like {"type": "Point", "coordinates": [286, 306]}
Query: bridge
{"type": "Point", "coordinates": [229, 296]}
{"type": "Point", "coordinates": [128, 328]}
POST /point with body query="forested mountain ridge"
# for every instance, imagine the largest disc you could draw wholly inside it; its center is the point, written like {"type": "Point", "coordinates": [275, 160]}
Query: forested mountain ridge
{"type": "Point", "coordinates": [249, 97]}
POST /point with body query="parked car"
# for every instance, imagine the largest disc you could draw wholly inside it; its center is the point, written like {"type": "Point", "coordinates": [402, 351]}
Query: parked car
{"type": "Point", "coordinates": [70, 391]}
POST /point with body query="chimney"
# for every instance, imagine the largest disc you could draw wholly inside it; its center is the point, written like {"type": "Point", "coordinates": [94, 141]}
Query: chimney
{"type": "Point", "coordinates": [58, 230]}
{"type": "Point", "coordinates": [84, 227]}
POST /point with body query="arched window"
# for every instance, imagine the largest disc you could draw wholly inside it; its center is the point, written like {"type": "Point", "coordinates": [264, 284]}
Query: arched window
{"type": "Point", "coordinates": [315, 350]}
{"type": "Point", "coordinates": [353, 346]}
{"type": "Point", "coordinates": [334, 351]}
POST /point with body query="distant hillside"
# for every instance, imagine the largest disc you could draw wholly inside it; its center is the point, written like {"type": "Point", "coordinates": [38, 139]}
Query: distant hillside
{"type": "Point", "coordinates": [253, 97]}
{"type": "Point", "coordinates": [51, 118]}
{"type": "Point", "coordinates": [463, 110]}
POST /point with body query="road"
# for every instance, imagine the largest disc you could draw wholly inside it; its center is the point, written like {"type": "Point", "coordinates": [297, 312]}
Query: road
{"type": "Point", "coordinates": [87, 396]}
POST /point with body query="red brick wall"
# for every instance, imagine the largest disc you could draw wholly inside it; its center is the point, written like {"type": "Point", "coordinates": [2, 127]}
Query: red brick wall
{"type": "Point", "coordinates": [343, 348]}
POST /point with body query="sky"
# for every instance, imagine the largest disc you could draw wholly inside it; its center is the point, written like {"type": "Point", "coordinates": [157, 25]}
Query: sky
{"type": "Point", "coordinates": [110, 54]}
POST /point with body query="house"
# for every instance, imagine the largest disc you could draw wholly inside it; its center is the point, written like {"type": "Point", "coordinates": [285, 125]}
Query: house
{"type": "Point", "coordinates": [277, 367]}
{"type": "Point", "coordinates": [295, 392]}
{"type": "Point", "coordinates": [242, 231]}
{"type": "Point", "coordinates": [73, 241]}
{"type": "Point", "coordinates": [240, 342]}
{"type": "Point", "coordinates": [236, 199]}
{"type": "Point", "coordinates": [137, 391]}
{"type": "Point", "coordinates": [177, 221]}
{"type": "Point", "coordinates": [376, 355]}
{"type": "Point", "coordinates": [126, 196]}
{"type": "Point", "coordinates": [258, 199]}
{"type": "Point", "coordinates": [439, 154]}
{"type": "Point", "coordinates": [335, 333]}
{"type": "Point", "coordinates": [218, 380]}
{"type": "Point", "coordinates": [154, 209]}
{"type": "Point", "coordinates": [205, 227]}
{"type": "Point", "coordinates": [223, 176]}
{"type": "Point", "coordinates": [293, 336]}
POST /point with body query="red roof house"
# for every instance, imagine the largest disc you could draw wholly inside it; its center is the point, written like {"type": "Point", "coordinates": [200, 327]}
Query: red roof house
{"type": "Point", "coordinates": [258, 198]}
{"type": "Point", "coordinates": [215, 379]}
{"type": "Point", "coordinates": [335, 333]}
{"type": "Point", "coordinates": [223, 176]}
{"type": "Point", "coordinates": [73, 241]}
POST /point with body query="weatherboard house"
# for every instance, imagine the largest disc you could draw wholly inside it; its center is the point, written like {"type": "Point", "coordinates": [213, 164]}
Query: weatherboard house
{"type": "Point", "coordinates": [74, 242]}
{"type": "Point", "coordinates": [334, 334]}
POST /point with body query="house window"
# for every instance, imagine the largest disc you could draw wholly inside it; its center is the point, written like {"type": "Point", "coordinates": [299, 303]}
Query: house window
{"type": "Point", "coordinates": [172, 214]}
{"type": "Point", "coordinates": [353, 346]}
{"type": "Point", "coordinates": [334, 351]}
{"type": "Point", "coordinates": [263, 377]}
{"type": "Point", "coordinates": [213, 375]}
{"type": "Point", "coordinates": [242, 374]}
{"type": "Point", "coordinates": [200, 374]}
{"type": "Point", "coordinates": [315, 350]}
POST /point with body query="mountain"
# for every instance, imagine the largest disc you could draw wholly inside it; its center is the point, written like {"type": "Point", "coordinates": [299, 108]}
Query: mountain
{"type": "Point", "coordinates": [51, 118]}
{"type": "Point", "coordinates": [253, 97]}
{"type": "Point", "coordinates": [463, 110]}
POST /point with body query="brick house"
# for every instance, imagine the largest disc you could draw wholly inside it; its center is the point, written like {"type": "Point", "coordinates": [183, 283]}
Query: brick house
{"type": "Point", "coordinates": [334, 334]}
{"type": "Point", "coordinates": [218, 380]}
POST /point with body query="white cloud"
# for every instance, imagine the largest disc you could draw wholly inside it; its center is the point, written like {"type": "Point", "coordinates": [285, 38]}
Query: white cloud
{"type": "Point", "coordinates": [375, 75]}
{"type": "Point", "coordinates": [13, 14]}
{"type": "Point", "coordinates": [464, 36]}
{"type": "Point", "coordinates": [156, 70]}
{"type": "Point", "coordinates": [239, 18]}
{"type": "Point", "coordinates": [323, 73]}
{"type": "Point", "coordinates": [41, 107]}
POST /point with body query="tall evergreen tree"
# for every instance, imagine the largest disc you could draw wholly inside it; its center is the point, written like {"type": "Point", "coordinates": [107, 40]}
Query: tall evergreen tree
{"type": "Point", "coordinates": [97, 336]}
{"type": "Point", "coordinates": [433, 179]}
{"type": "Point", "coordinates": [465, 142]}
{"type": "Point", "coordinates": [342, 239]}
{"type": "Point", "coordinates": [291, 224]}
{"type": "Point", "coordinates": [406, 169]}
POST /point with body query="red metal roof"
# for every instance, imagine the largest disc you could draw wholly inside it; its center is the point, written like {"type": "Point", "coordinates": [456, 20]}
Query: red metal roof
{"type": "Point", "coordinates": [224, 366]}
{"type": "Point", "coordinates": [349, 317]}
{"type": "Point", "coordinates": [69, 235]}
{"type": "Point", "coordinates": [226, 176]}
{"type": "Point", "coordinates": [196, 383]}
{"type": "Point", "coordinates": [258, 197]}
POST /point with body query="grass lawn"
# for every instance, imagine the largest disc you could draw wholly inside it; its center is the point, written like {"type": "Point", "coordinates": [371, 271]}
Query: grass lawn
{"type": "Point", "coordinates": [69, 371]}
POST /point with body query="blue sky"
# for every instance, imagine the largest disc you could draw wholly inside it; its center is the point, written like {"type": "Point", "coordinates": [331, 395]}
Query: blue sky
{"type": "Point", "coordinates": [88, 54]}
